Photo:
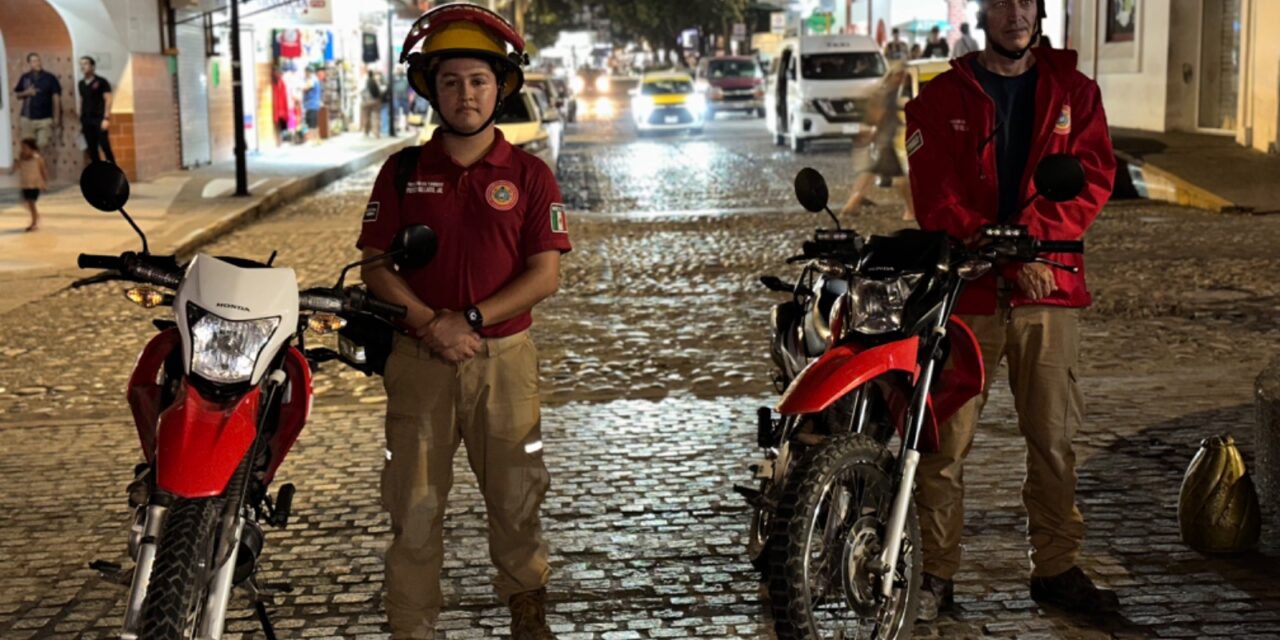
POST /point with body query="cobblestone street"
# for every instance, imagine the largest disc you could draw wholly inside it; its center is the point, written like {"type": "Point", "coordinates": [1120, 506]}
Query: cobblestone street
{"type": "Point", "coordinates": [654, 360]}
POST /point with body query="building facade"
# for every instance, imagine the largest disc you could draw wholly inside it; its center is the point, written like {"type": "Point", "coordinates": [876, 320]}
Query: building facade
{"type": "Point", "coordinates": [1204, 66]}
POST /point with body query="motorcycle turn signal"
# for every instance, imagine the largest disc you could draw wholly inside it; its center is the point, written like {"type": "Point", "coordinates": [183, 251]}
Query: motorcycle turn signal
{"type": "Point", "coordinates": [323, 323]}
{"type": "Point", "coordinates": [145, 296]}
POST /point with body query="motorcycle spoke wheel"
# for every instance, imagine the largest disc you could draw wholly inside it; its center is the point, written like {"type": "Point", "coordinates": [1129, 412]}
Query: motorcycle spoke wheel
{"type": "Point", "coordinates": [825, 591]}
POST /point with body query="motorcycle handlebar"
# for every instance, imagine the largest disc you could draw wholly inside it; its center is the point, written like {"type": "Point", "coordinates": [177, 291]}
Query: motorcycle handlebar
{"type": "Point", "coordinates": [353, 300]}
{"type": "Point", "coordinates": [131, 266]}
{"type": "Point", "coordinates": [385, 309]}
{"type": "Point", "coordinates": [1060, 246]}
{"type": "Point", "coordinates": [93, 261]}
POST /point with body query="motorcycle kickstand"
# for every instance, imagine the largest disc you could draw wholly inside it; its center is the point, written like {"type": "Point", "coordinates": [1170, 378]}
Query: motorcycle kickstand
{"type": "Point", "coordinates": [261, 607]}
{"type": "Point", "coordinates": [259, 594]}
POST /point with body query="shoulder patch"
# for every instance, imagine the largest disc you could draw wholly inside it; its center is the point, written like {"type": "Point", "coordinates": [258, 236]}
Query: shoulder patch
{"type": "Point", "coordinates": [559, 221]}
{"type": "Point", "coordinates": [915, 142]}
{"type": "Point", "coordinates": [371, 211]}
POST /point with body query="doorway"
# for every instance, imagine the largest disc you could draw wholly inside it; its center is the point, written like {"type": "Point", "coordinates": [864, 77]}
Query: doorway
{"type": "Point", "coordinates": [193, 96]}
{"type": "Point", "coordinates": [1219, 66]}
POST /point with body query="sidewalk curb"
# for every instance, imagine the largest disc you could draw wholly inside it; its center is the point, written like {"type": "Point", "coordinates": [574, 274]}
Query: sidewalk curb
{"type": "Point", "coordinates": [295, 190]}
{"type": "Point", "coordinates": [1155, 183]}
{"type": "Point", "coordinates": [47, 281]}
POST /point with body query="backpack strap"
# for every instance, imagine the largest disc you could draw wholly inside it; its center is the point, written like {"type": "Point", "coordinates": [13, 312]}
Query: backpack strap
{"type": "Point", "coordinates": [406, 162]}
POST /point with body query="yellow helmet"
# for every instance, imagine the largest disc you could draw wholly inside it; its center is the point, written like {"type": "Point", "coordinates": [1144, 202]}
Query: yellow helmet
{"type": "Point", "coordinates": [461, 30]}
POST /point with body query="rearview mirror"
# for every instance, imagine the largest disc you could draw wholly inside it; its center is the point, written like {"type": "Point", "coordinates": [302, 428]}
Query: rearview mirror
{"type": "Point", "coordinates": [1059, 177]}
{"type": "Point", "coordinates": [414, 246]}
{"type": "Point", "coordinates": [104, 186]}
{"type": "Point", "coordinates": [811, 190]}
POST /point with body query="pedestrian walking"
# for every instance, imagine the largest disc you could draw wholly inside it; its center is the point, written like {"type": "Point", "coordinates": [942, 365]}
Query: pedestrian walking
{"type": "Point", "coordinates": [879, 159]}
{"type": "Point", "coordinates": [312, 102]}
{"type": "Point", "coordinates": [32, 177]}
{"type": "Point", "coordinates": [896, 49]}
{"type": "Point", "coordinates": [41, 112]}
{"type": "Point", "coordinates": [95, 111]}
{"type": "Point", "coordinates": [936, 47]}
{"type": "Point", "coordinates": [1027, 314]}
{"type": "Point", "coordinates": [966, 44]}
{"type": "Point", "coordinates": [468, 371]}
{"type": "Point", "coordinates": [371, 105]}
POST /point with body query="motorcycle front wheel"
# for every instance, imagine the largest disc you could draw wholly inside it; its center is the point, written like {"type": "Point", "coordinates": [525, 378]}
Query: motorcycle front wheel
{"type": "Point", "coordinates": [823, 587]}
{"type": "Point", "coordinates": [179, 578]}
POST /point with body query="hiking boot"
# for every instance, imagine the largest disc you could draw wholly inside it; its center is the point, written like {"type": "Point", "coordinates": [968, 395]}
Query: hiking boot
{"type": "Point", "coordinates": [529, 616]}
{"type": "Point", "coordinates": [1074, 591]}
{"type": "Point", "coordinates": [936, 595]}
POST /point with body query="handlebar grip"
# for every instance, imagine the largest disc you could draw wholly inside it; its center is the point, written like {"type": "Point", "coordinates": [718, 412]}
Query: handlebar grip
{"type": "Point", "coordinates": [385, 309]}
{"type": "Point", "coordinates": [319, 302]}
{"type": "Point", "coordinates": [92, 261]}
{"type": "Point", "coordinates": [157, 275]}
{"type": "Point", "coordinates": [1060, 246]}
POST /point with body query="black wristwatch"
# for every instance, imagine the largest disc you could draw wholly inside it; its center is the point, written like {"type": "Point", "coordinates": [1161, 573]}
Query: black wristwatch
{"type": "Point", "coordinates": [474, 318]}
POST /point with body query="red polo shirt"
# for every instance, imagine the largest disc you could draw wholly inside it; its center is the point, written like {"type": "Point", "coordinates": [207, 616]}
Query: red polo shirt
{"type": "Point", "coordinates": [489, 217]}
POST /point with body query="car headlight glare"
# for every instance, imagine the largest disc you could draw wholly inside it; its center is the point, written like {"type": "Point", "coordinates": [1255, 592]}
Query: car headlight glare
{"type": "Point", "coordinates": [602, 84]}
{"type": "Point", "coordinates": [577, 84]}
{"type": "Point", "coordinates": [226, 351]}
{"type": "Point", "coordinates": [877, 305]}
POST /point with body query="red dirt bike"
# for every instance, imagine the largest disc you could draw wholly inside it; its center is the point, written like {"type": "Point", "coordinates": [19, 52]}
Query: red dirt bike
{"type": "Point", "coordinates": [218, 397]}
{"type": "Point", "coordinates": [835, 529]}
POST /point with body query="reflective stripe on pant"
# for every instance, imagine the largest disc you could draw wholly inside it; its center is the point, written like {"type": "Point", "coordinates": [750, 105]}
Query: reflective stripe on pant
{"type": "Point", "coordinates": [491, 404]}
{"type": "Point", "coordinates": [1042, 346]}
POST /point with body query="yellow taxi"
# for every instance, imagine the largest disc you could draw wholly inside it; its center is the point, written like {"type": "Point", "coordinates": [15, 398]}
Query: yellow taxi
{"type": "Point", "coordinates": [667, 101]}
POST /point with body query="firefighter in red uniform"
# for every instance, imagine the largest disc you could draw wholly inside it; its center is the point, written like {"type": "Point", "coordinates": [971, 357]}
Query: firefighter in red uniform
{"type": "Point", "coordinates": [469, 372]}
{"type": "Point", "coordinates": [974, 137]}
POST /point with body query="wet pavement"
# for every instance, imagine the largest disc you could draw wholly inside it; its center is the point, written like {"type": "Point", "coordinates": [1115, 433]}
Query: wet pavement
{"type": "Point", "coordinates": [653, 361]}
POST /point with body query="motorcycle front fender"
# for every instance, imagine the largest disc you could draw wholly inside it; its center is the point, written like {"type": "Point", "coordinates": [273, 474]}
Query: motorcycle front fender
{"type": "Point", "coordinates": [843, 369]}
{"type": "Point", "coordinates": [200, 443]}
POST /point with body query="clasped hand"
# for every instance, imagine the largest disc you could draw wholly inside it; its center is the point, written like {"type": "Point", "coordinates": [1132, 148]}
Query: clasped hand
{"type": "Point", "coordinates": [449, 336]}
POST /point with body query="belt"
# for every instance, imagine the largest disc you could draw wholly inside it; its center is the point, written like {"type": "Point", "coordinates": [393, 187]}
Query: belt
{"type": "Point", "coordinates": [489, 347]}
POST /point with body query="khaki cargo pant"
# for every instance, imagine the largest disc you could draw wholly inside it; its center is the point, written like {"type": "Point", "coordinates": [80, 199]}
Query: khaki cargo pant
{"type": "Point", "coordinates": [1042, 346]}
{"type": "Point", "coordinates": [491, 403]}
{"type": "Point", "coordinates": [39, 130]}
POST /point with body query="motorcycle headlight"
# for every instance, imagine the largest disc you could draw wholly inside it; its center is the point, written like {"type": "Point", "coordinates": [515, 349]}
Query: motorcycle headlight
{"type": "Point", "coordinates": [877, 304]}
{"type": "Point", "coordinates": [226, 351]}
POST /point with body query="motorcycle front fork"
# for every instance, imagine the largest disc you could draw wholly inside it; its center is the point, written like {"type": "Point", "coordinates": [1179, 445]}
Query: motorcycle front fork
{"type": "Point", "coordinates": [151, 525]}
{"type": "Point", "coordinates": [909, 461]}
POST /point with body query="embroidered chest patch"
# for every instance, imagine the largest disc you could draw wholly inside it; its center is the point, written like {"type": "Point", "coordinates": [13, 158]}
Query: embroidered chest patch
{"type": "Point", "coordinates": [1063, 125]}
{"type": "Point", "coordinates": [502, 195]}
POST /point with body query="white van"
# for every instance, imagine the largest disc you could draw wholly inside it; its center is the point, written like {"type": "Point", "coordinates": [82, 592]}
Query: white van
{"type": "Point", "coordinates": [819, 87]}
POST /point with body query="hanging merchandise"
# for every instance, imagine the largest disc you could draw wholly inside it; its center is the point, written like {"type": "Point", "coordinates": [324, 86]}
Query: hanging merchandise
{"type": "Point", "coordinates": [328, 46]}
{"type": "Point", "coordinates": [370, 41]}
{"type": "Point", "coordinates": [290, 43]}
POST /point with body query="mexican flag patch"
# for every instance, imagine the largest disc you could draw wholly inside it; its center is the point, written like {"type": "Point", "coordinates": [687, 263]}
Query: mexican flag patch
{"type": "Point", "coordinates": [559, 222]}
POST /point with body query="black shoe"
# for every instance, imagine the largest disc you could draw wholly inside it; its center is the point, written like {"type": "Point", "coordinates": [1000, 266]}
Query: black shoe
{"type": "Point", "coordinates": [936, 595]}
{"type": "Point", "coordinates": [1074, 591]}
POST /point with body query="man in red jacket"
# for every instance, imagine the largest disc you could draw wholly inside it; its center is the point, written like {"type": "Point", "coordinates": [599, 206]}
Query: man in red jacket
{"type": "Point", "coordinates": [974, 137]}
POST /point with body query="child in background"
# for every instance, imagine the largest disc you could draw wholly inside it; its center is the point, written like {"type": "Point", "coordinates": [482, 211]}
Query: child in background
{"type": "Point", "coordinates": [32, 179]}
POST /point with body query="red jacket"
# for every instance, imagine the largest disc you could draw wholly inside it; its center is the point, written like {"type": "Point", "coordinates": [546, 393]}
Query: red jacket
{"type": "Point", "coordinates": [954, 186]}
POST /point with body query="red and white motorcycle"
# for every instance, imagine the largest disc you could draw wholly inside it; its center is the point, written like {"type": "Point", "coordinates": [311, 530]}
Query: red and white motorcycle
{"type": "Point", "coordinates": [834, 525]}
{"type": "Point", "coordinates": [218, 397]}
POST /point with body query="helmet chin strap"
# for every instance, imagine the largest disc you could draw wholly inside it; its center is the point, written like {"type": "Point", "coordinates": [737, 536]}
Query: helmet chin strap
{"type": "Point", "coordinates": [1020, 53]}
